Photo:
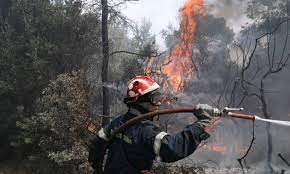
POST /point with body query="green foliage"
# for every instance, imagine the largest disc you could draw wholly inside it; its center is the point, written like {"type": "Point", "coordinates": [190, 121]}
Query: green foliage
{"type": "Point", "coordinates": [142, 36]}
{"type": "Point", "coordinates": [267, 14]}
{"type": "Point", "coordinates": [143, 42]}
{"type": "Point", "coordinates": [259, 10]}
{"type": "Point", "coordinates": [171, 36]}
{"type": "Point", "coordinates": [57, 127]}
{"type": "Point", "coordinates": [38, 41]}
{"type": "Point", "coordinates": [41, 41]}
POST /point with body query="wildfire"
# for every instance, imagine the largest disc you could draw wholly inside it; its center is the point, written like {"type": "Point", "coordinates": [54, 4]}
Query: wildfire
{"type": "Point", "coordinates": [179, 64]}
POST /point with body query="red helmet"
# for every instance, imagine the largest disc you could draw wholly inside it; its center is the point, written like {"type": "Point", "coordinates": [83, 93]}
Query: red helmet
{"type": "Point", "coordinates": [140, 85]}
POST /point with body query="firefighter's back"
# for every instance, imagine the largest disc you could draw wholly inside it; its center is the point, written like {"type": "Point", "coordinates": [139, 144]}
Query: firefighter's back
{"type": "Point", "coordinates": [130, 151]}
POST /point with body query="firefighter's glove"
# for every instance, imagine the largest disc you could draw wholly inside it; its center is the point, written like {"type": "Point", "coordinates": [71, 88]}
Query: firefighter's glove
{"type": "Point", "coordinates": [204, 114]}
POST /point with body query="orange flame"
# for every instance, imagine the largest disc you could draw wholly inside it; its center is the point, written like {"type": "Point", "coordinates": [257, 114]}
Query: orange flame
{"type": "Point", "coordinates": [216, 147]}
{"type": "Point", "coordinates": [179, 65]}
{"type": "Point", "coordinates": [223, 149]}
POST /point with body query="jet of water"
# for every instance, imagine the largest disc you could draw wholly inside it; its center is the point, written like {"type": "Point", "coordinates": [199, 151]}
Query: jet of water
{"type": "Point", "coordinates": [284, 123]}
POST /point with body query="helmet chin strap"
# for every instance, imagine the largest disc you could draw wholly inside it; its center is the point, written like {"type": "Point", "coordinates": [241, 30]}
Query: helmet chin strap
{"type": "Point", "coordinates": [143, 108]}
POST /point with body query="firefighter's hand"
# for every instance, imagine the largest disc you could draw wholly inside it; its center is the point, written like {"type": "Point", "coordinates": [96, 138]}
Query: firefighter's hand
{"type": "Point", "coordinates": [204, 114]}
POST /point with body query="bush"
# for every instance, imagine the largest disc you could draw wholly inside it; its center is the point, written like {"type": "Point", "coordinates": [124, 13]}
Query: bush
{"type": "Point", "coordinates": [56, 130]}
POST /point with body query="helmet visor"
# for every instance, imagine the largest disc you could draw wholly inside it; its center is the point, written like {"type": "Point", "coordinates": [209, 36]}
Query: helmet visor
{"type": "Point", "coordinates": [156, 99]}
{"type": "Point", "coordinates": [152, 98]}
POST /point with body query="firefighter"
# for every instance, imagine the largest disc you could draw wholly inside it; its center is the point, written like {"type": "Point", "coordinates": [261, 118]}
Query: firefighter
{"type": "Point", "coordinates": [133, 150]}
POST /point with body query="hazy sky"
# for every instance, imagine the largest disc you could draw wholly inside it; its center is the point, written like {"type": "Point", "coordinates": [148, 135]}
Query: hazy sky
{"type": "Point", "coordinates": [163, 12]}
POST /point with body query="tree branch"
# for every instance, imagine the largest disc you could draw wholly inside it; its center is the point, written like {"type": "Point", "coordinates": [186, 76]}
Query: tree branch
{"type": "Point", "coordinates": [249, 148]}
{"type": "Point", "coordinates": [284, 160]}
{"type": "Point", "coordinates": [137, 54]}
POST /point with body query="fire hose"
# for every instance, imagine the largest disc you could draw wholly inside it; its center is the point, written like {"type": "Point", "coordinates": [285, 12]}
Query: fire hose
{"type": "Point", "coordinates": [227, 112]}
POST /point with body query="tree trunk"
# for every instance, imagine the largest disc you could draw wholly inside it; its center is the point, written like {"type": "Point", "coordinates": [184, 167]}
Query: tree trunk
{"type": "Point", "coordinates": [268, 127]}
{"type": "Point", "coordinates": [105, 43]}
{"type": "Point", "coordinates": [270, 149]}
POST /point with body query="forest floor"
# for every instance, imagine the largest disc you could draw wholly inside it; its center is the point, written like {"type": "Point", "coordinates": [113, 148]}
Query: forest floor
{"type": "Point", "coordinates": [195, 170]}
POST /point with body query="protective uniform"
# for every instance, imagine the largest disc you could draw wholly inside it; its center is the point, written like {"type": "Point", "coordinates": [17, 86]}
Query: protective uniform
{"type": "Point", "coordinates": [134, 149]}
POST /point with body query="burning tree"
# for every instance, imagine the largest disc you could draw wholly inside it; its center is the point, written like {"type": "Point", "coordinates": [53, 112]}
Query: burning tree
{"type": "Point", "coordinates": [180, 64]}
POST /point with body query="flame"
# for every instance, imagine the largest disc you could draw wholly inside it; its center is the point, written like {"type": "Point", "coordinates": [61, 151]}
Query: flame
{"type": "Point", "coordinates": [216, 147]}
{"type": "Point", "coordinates": [179, 65]}
{"type": "Point", "coordinates": [223, 149]}
{"type": "Point", "coordinates": [219, 146]}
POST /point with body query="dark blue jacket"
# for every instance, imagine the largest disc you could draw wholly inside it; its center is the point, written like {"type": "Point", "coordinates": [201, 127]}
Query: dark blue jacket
{"type": "Point", "coordinates": [134, 149]}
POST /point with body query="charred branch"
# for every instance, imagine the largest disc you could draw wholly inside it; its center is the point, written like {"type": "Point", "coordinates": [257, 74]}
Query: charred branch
{"type": "Point", "coordinates": [240, 160]}
{"type": "Point", "coordinates": [138, 54]}
{"type": "Point", "coordinates": [284, 160]}
{"type": "Point", "coordinates": [248, 83]}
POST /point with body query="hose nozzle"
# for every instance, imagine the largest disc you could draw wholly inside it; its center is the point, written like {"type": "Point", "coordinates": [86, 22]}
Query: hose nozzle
{"type": "Point", "coordinates": [227, 110]}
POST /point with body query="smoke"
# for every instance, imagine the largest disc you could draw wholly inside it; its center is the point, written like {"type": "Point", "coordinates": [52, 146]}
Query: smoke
{"type": "Point", "coordinates": [235, 135]}
{"type": "Point", "coordinates": [232, 10]}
